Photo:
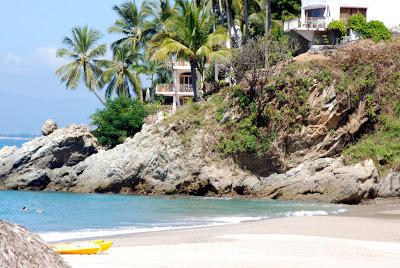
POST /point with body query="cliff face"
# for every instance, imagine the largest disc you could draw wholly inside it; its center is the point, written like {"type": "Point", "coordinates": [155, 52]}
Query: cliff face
{"type": "Point", "coordinates": [217, 149]}
{"type": "Point", "coordinates": [156, 161]}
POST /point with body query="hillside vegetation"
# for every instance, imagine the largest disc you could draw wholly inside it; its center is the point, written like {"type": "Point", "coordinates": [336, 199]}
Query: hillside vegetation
{"type": "Point", "coordinates": [344, 104]}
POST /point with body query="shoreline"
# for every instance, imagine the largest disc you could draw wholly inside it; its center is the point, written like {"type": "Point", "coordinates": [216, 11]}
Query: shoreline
{"type": "Point", "coordinates": [365, 235]}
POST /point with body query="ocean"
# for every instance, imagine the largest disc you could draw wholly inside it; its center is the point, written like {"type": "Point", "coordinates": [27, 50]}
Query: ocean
{"type": "Point", "coordinates": [63, 216]}
{"type": "Point", "coordinates": [9, 141]}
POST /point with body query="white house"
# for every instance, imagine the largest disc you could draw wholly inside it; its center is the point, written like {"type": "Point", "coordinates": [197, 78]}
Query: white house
{"type": "Point", "coordinates": [181, 87]}
{"type": "Point", "coordinates": [317, 14]}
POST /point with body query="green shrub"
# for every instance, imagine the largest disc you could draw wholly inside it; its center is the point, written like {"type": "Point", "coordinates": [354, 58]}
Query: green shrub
{"type": "Point", "coordinates": [121, 118]}
{"type": "Point", "coordinates": [357, 22]}
{"type": "Point", "coordinates": [244, 100]}
{"type": "Point", "coordinates": [382, 146]}
{"type": "Point", "coordinates": [377, 31]}
{"type": "Point", "coordinates": [397, 109]}
{"type": "Point", "coordinates": [338, 26]}
{"type": "Point", "coordinates": [219, 114]}
{"type": "Point", "coordinates": [374, 29]}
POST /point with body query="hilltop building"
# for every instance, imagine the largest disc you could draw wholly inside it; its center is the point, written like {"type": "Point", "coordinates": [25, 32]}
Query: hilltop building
{"type": "Point", "coordinates": [317, 14]}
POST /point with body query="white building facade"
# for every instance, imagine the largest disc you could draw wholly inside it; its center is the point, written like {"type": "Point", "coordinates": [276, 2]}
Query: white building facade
{"type": "Point", "coordinates": [317, 14]}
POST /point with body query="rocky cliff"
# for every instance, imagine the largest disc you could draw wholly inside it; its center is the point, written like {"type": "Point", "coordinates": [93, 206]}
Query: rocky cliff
{"type": "Point", "coordinates": [312, 111]}
{"type": "Point", "coordinates": [156, 161]}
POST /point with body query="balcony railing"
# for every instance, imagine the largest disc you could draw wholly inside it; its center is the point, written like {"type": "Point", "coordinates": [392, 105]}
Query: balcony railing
{"type": "Point", "coordinates": [169, 88]}
{"type": "Point", "coordinates": [315, 23]}
{"type": "Point", "coordinates": [309, 23]}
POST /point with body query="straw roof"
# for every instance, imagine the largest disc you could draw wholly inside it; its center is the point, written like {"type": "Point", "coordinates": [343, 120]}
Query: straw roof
{"type": "Point", "coordinates": [20, 248]}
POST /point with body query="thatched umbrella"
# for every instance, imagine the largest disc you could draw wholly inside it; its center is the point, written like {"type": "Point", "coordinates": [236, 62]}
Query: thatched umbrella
{"type": "Point", "coordinates": [20, 248]}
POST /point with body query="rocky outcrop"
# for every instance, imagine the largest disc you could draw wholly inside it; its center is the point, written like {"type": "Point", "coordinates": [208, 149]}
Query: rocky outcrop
{"type": "Point", "coordinates": [19, 248]}
{"type": "Point", "coordinates": [6, 151]}
{"type": "Point", "coordinates": [30, 166]}
{"type": "Point", "coordinates": [325, 179]}
{"type": "Point", "coordinates": [49, 127]}
{"type": "Point", "coordinates": [156, 161]}
{"type": "Point", "coordinates": [390, 185]}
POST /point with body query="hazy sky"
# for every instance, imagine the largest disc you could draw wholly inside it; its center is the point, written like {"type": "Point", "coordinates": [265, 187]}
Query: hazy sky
{"type": "Point", "coordinates": [30, 33]}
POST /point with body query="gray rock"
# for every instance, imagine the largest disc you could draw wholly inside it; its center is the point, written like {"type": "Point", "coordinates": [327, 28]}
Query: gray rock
{"type": "Point", "coordinates": [155, 161]}
{"type": "Point", "coordinates": [49, 127]}
{"type": "Point", "coordinates": [31, 166]}
{"type": "Point", "coordinates": [390, 185]}
{"type": "Point", "coordinates": [327, 180]}
{"type": "Point", "coordinates": [6, 151]}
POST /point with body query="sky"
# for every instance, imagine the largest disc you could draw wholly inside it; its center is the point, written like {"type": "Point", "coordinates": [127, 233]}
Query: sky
{"type": "Point", "coordinates": [30, 33]}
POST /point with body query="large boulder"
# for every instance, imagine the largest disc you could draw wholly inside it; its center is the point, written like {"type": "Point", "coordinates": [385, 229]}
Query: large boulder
{"type": "Point", "coordinates": [325, 179]}
{"type": "Point", "coordinates": [49, 127]}
{"type": "Point", "coordinates": [30, 166]}
{"type": "Point", "coordinates": [390, 185]}
{"type": "Point", "coordinates": [20, 248]}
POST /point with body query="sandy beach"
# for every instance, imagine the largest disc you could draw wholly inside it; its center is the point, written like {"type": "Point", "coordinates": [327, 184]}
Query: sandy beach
{"type": "Point", "coordinates": [365, 236]}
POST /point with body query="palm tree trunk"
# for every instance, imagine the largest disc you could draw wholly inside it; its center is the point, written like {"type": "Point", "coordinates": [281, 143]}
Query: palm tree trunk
{"type": "Point", "coordinates": [267, 16]}
{"type": "Point", "coordinates": [231, 23]}
{"type": "Point", "coordinates": [246, 20]}
{"type": "Point", "coordinates": [98, 96]}
{"type": "Point", "coordinates": [153, 87]}
{"type": "Point", "coordinates": [193, 68]}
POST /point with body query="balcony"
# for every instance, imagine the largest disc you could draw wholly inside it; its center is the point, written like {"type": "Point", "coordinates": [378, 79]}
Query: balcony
{"type": "Point", "coordinates": [168, 90]}
{"type": "Point", "coordinates": [313, 24]}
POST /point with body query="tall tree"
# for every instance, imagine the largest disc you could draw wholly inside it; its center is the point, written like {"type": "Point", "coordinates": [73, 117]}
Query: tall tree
{"type": "Point", "coordinates": [190, 36]}
{"type": "Point", "coordinates": [152, 69]}
{"type": "Point", "coordinates": [120, 74]}
{"type": "Point", "coordinates": [267, 16]}
{"type": "Point", "coordinates": [130, 23]}
{"type": "Point", "coordinates": [160, 13]}
{"type": "Point", "coordinates": [246, 20]}
{"type": "Point", "coordinates": [84, 53]}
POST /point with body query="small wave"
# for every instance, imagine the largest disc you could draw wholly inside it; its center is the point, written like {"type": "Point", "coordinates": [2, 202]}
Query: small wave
{"type": "Point", "coordinates": [340, 210]}
{"type": "Point", "coordinates": [91, 233]}
{"type": "Point", "coordinates": [303, 213]}
{"type": "Point", "coordinates": [234, 220]}
{"type": "Point", "coordinates": [187, 223]}
{"type": "Point", "coordinates": [15, 138]}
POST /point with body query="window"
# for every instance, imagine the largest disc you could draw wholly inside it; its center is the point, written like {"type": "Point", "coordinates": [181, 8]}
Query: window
{"type": "Point", "coordinates": [315, 13]}
{"type": "Point", "coordinates": [346, 12]}
{"type": "Point", "coordinates": [185, 79]}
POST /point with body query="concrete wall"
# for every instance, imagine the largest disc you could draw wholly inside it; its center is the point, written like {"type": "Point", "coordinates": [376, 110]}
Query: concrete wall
{"type": "Point", "coordinates": [386, 11]}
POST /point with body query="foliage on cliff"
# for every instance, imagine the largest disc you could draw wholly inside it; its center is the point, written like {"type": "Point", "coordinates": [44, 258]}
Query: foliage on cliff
{"type": "Point", "coordinates": [121, 118]}
{"type": "Point", "coordinates": [374, 29]}
{"type": "Point", "coordinates": [347, 103]}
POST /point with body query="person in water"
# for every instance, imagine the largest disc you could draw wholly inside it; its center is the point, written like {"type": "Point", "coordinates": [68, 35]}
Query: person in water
{"type": "Point", "coordinates": [24, 209]}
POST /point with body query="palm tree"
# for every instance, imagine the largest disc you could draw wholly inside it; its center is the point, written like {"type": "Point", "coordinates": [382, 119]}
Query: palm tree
{"type": "Point", "coordinates": [150, 68]}
{"type": "Point", "coordinates": [267, 16]}
{"type": "Point", "coordinates": [84, 53]}
{"type": "Point", "coordinates": [246, 20]}
{"type": "Point", "coordinates": [120, 75]}
{"type": "Point", "coordinates": [261, 15]}
{"type": "Point", "coordinates": [130, 23]}
{"type": "Point", "coordinates": [159, 13]}
{"type": "Point", "coordinates": [189, 36]}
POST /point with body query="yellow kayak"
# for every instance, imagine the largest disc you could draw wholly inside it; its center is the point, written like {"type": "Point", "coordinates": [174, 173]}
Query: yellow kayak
{"type": "Point", "coordinates": [104, 245]}
{"type": "Point", "coordinates": [77, 248]}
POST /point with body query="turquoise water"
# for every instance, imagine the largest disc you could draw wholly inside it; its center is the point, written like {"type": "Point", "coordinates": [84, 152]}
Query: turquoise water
{"type": "Point", "coordinates": [12, 142]}
{"type": "Point", "coordinates": [59, 216]}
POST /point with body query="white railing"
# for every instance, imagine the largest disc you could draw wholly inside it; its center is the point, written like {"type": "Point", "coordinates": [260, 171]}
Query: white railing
{"type": "Point", "coordinates": [291, 24]}
{"type": "Point", "coordinates": [309, 23]}
{"type": "Point", "coordinates": [315, 23]}
{"type": "Point", "coordinates": [170, 88]}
